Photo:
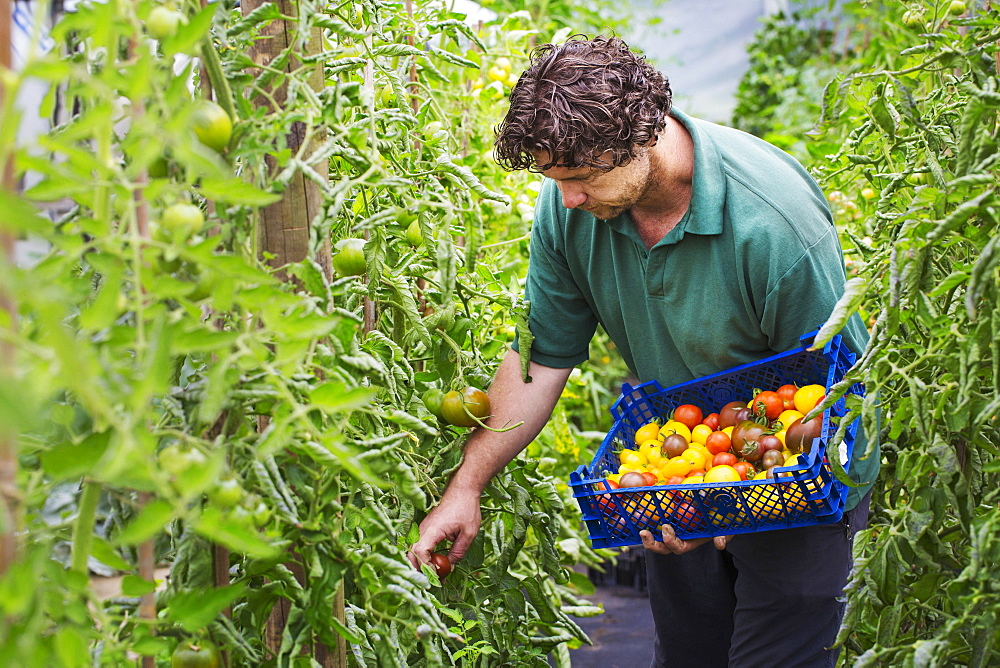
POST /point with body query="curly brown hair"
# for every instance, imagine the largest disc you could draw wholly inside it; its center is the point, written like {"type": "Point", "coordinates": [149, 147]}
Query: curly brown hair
{"type": "Point", "coordinates": [579, 100]}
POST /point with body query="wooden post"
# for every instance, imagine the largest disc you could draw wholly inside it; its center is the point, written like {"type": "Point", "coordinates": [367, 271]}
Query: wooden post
{"type": "Point", "coordinates": [284, 234]}
{"type": "Point", "coordinates": [285, 229]}
{"type": "Point", "coordinates": [8, 437]}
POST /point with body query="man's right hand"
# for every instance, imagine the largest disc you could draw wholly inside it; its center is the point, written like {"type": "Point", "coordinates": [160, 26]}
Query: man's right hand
{"type": "Point", "coordinates": [457, 518]}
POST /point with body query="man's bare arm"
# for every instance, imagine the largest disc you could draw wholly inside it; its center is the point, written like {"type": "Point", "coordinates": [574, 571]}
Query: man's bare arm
{"type": "Point", "coordinates": [457, 517]}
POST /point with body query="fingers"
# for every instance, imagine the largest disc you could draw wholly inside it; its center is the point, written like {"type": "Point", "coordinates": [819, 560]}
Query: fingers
{"type": "Point", "coordinates": [721, 542]}
{"type": "Point", "coordinates": [671, 544]}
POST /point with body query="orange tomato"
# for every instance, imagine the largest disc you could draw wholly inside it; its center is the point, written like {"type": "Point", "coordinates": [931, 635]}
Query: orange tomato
{"type": "Point", "coordinates": [651, 478]}
{"type": "Point", "coordinates": [718, 442]}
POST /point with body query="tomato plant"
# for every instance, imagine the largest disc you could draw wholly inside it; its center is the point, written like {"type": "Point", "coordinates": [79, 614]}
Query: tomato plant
{"type": "Point", "coordinates": [901, 118]}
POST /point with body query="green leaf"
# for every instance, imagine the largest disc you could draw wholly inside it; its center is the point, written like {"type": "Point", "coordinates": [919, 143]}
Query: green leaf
{"type": "Point", "coordinates": [336, 397]}
{"type": "Point", "coordinates": [150, 520]}
{"type": "Point", "coordinates": [854, 294]}
{"type": "Point", "coordinates": [190, 34]}
{"type": "Point", "coordinates": [235, 534]}
{"type": "Point", "coordinates": [133, 585]}
{"type": "Point", "coordinates": [234, 191]}
{"type": "Point", "coordinates": [195, 609]}
{"type": "Point", "coordinates": [20, 216]}
{"type": "Point", "coordinates": [103, 551]}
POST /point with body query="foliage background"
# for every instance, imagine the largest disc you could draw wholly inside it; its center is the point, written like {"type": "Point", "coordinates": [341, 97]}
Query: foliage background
{"type": "Point", "coordinates": [903, 139]}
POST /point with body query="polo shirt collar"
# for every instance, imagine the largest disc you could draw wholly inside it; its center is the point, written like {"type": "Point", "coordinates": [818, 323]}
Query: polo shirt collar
{"type": "Point", "coordinates": [708, 192]}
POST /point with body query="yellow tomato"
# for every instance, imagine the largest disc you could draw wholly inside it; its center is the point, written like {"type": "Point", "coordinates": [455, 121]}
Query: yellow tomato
{"type": "Point", "coordinates": [675, 427]}
{"type": "Point", "coordinates": [614, 477]}
{"type": "Point", "coordinates": [722, 473]}
{"type": "Point", "coordinates": [646, 432]}
{"type": "Point", "coordinates": [675, 466]}
{"type": "Point", "coordinates": [807, 397]}
{"type": "Point", "coordinates": [694, 479]}
{"type": "Point", "coordinates": [628, 469]}
{"type": "Point", "coordinates": [633, 458]}
{"type": "Point", "coordinates": [781, 436]}
{"type": "Point", "coordinates": [700, 433]}
{"type": "Point", "coordinates": [788, 417]}
{"type": "Point", "coordinates": [728, 431]}
{"type": "Point", "coordinates": [651, 451]}
{"type": "Point", "coordinates": [697, 457]}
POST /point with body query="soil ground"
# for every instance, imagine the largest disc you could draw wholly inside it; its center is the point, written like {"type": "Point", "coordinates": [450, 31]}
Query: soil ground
{"type": "Point", "coordinates": [622, 636]}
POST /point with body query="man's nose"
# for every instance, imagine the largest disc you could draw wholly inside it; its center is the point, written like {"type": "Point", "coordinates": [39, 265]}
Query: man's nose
{"type": "Point", "coordinates": [572, 195]}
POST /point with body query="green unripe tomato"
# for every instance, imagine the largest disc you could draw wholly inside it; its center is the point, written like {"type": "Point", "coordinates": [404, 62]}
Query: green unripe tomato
{"type": "Point", "coordinates": [195, 655]}
{"type": "Point", "coordinates": [163, 22]}
{"type": "Point", "coordinates": [175, 459]}
{"type": "Point", "coordinates": [226, 493]}
{"type": "Point", "coordinates": [181, 220]}
{"type": "Point", "coordinates": [434, 133]}
{"type": "Point", "coordinates": [957, 7]}
{"type": "Point", "coordinates": [432, 400]}
{"type": "Point", "coordinates": [914, 18]}
{"type": "Point", "coordinates": [212, 125]}
{"type": "Point", "coordinates": [349, 260]}
{"type": "Point", "coordinates": [261, 514]}
{"type": "Point", "coordinates": [414, 236]}
{"type": "Point", "coordinates": [868, 193]}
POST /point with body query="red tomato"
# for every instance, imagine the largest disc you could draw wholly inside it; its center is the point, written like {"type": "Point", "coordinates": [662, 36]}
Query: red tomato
{"type": "Point", "coordinates": [768, 403]}
{"type": "Point", "coordinates": [675, 480]}
{"type": "Point", "coordinates": [712, 420]}
{"type": "Point", "coordinates": [651, 478]}
{"type": "Point", "coordinates": [717, 442]}
{"type": "Point", "coordinates": [689, 415]}
{"type": "Point", "coordinates": [441, 564]}
{"type": "Point", "coordinates": [787, 394]}
{"type": "Point", "coordinates": [744, 469]}
{"type": "Point", "coordinates": [724, 459]}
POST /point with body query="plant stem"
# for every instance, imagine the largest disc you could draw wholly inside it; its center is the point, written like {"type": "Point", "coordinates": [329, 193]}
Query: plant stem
{"type": "Point", "coordinates": [83, 530]}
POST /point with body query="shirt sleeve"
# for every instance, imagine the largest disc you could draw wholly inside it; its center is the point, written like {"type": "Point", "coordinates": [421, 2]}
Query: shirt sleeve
{"type": "Point", "coordinates": [561, 320]}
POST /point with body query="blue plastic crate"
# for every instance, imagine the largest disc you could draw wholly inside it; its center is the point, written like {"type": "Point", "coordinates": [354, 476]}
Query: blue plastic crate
{"type": "Point", "coordinates": [798, 496]}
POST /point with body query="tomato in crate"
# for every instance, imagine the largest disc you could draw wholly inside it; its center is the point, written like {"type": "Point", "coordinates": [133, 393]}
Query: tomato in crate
{"type": "Point", "coordinates": [711, 487]}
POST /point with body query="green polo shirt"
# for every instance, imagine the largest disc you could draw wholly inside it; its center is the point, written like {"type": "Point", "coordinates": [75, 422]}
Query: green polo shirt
{"type": "Point", "coordinates": [754, 263]}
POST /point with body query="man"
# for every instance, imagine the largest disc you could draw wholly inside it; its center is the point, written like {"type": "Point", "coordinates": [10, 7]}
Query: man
{"type": "Point", "coordinates": [697, 248]}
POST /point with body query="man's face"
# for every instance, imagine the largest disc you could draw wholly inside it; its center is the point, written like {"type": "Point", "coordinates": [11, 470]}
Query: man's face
{"type": "Point", "coordinates": [605, 194]}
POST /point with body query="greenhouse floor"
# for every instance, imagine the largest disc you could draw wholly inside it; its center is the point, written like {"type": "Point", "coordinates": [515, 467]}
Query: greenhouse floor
{"type": "Point", "coordinates": [622, 637]}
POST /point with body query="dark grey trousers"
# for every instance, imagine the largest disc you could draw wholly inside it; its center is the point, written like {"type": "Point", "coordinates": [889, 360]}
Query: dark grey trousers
{"type": "Point", "coordinates": [773, 598]}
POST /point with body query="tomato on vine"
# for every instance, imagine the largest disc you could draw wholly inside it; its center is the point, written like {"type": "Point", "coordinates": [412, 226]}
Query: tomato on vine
{"type": "Point", "coordinates": [442, 564]}
{"type": "Point", "coordinates": [212, 125]}
{"type": "Point", "coordinates": [349, 258]}
{"type": "Point", "coordinates": [195, 655]}
{"type": "Point", "coordinates": [462, 408]}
